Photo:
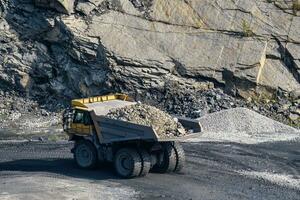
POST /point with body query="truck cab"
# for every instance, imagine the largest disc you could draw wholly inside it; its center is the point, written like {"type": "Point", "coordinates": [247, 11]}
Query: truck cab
{"type": "Point", "coordinates": [82, 122]}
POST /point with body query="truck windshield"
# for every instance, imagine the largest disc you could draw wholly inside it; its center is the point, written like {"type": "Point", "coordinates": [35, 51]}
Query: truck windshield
{"type": "Point", "coordinates": [82, 117]}
{"type": "Point", "coordinates": [78, 117]}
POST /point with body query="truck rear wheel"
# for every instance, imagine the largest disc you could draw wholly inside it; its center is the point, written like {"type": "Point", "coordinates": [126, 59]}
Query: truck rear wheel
{"type": "Point", "coordinates": [146, 162]}
{"type": "Point", "coordinates": [180, 157]}
{"type": "Point", "coordinates": [85, 154]}
{"type": "Point", "coordinates": [128, 163]}
{"type": "Point", "coordinates": [167, 161]}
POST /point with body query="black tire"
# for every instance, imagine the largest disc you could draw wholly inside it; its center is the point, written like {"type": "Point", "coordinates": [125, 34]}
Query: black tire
{"type": "Point", "coordinates": [180, 157]}
{"type": "Point", "coordinates": [168, 162]}
{"type": "Point", "coordinates": [146, 162]}
{"type": "Point", "coordinates": [128, 163]}
{"type": "Point", "coordinates": [85, 154]}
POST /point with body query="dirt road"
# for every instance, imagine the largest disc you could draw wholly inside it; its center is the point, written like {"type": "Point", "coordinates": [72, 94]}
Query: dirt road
{"type": "Point", "coordinates": [215, 170]}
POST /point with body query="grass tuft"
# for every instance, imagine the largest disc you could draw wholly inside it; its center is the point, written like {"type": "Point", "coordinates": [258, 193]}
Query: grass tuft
{"type": "Point", "coordinates": [296, 6]}
{"type": "Point", "coordinates": [247, 31]}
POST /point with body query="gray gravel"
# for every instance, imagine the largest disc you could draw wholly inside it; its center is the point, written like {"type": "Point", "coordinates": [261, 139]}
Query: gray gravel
{"type": "Point", "coordinates": [162, 123]}
{"type": "Point", "coordinates": [242, 125]}
{"type": "Point", "coordinates": [21, 117]}
{"type": "Point", "coordinates": [242, 120]}
{"type": "Point", "coordinates": [47, 187]}
{"type": "Point", "coordinates": [215, 170]}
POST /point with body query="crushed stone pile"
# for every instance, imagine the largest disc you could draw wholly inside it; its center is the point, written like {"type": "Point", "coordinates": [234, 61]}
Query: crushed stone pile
{"type": "Point", "coordinates": [241, 125]}
{"type": "Point", "coordinates": [242, 120]}
{"type": "Point", "coordinates": [142, 114]}
{"type": "Point", "coordinates": [20, 115]}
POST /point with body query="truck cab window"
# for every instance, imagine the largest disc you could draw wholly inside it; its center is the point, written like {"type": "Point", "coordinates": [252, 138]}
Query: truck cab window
{"type": "Point", "coordinates": [82, 117]}
{"type": "Point", "coordinates": [78, 117]}
{"type": "Point", "coordinates": [87, 119]}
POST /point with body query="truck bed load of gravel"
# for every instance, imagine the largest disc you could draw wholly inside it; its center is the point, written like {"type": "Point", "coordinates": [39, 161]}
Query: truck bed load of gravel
{"type": "Point", "coordinates": [164, 125]}
{"type": "Point", "coordinates": [242, 120]}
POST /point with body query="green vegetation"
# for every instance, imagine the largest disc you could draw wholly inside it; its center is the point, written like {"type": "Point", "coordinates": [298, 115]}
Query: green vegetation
{"type": "Point", "coordinates": [296, 6]}
{"type": "Point", "coordinates": [247, 31]}
{"type": "Point", "coordinates": [263, 97]}
{"type": "Point", "coordinates": [295, 124]}
{"type": "Point", "coordinates": [57, 137]}
{"type": "Point", "coordinates": [3, 116]}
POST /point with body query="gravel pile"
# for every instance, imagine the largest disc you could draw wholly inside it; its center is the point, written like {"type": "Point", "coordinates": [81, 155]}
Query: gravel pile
{"type": "Point", "coordinates": [20, 115]}
{"type": "Point", "coordinates": [142, 114]}
{"type": "Point", "coordinates": [242, 120]}
{"type": "Point", "coordinates": [241, 125]}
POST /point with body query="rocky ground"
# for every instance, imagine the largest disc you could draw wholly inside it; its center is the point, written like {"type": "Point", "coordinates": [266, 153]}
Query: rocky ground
{"type": "Point", "coordinates": [33, 119]}
{"type": "Point", "coordinates": [283, 107]}
{"type": "Point", "coordinates": [215, 170]}
{"type": "Point", "coordinates": [185, 57]}
{"type": "Point", "coordinates": [22, 118]}
{"type": "Point", "coordinates": [239, 155]}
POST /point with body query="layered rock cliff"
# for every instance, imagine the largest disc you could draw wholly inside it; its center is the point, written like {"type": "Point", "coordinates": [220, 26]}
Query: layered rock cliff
{"type": "Point", "coordinates": [66, 48]}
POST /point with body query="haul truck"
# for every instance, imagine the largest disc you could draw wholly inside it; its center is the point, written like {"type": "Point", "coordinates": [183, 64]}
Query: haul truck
{"type": "Point", "coordinates": [134, 149]}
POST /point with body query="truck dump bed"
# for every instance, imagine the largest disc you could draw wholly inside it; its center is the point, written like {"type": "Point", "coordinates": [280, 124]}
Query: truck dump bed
{"type": "Point", "coordinates": [103, 108]}
{"type": "Point", "coordinates": [111, 130]}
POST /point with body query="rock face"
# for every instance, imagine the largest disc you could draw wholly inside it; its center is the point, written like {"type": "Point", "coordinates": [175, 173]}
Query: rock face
{"type": "Point", "coordinates": [200, 40]}
{"type": "Point", "coordinates": [63, 6]}
{"type": "Point", "coordinates": [141, 46]}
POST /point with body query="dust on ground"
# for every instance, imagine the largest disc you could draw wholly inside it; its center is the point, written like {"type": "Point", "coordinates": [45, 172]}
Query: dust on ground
{"type": "Point", "coordinates": [50, 187]}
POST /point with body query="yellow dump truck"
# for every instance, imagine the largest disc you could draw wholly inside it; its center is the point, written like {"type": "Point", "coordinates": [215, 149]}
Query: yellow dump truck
{"type": "Point", "coordinates": [134, 149]}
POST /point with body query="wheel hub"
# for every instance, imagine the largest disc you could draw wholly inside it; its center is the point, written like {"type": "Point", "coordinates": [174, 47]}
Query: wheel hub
{"type": "Point", "coordinates": [84, 157]}
{"type": "Point", "coordinates": [126, 163]}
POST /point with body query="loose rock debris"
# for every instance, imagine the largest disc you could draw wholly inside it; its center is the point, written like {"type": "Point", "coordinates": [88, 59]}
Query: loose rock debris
{"type": "Point", "coordinates": [239, 120]}
{"type": "Point", "coordinates": [162, 123]}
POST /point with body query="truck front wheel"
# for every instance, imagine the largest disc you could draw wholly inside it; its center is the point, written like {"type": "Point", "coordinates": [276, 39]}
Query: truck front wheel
{"type": "Point", "coordinates": [85, 154]}
{"type": "Point", "coordinates": [128, 163]}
